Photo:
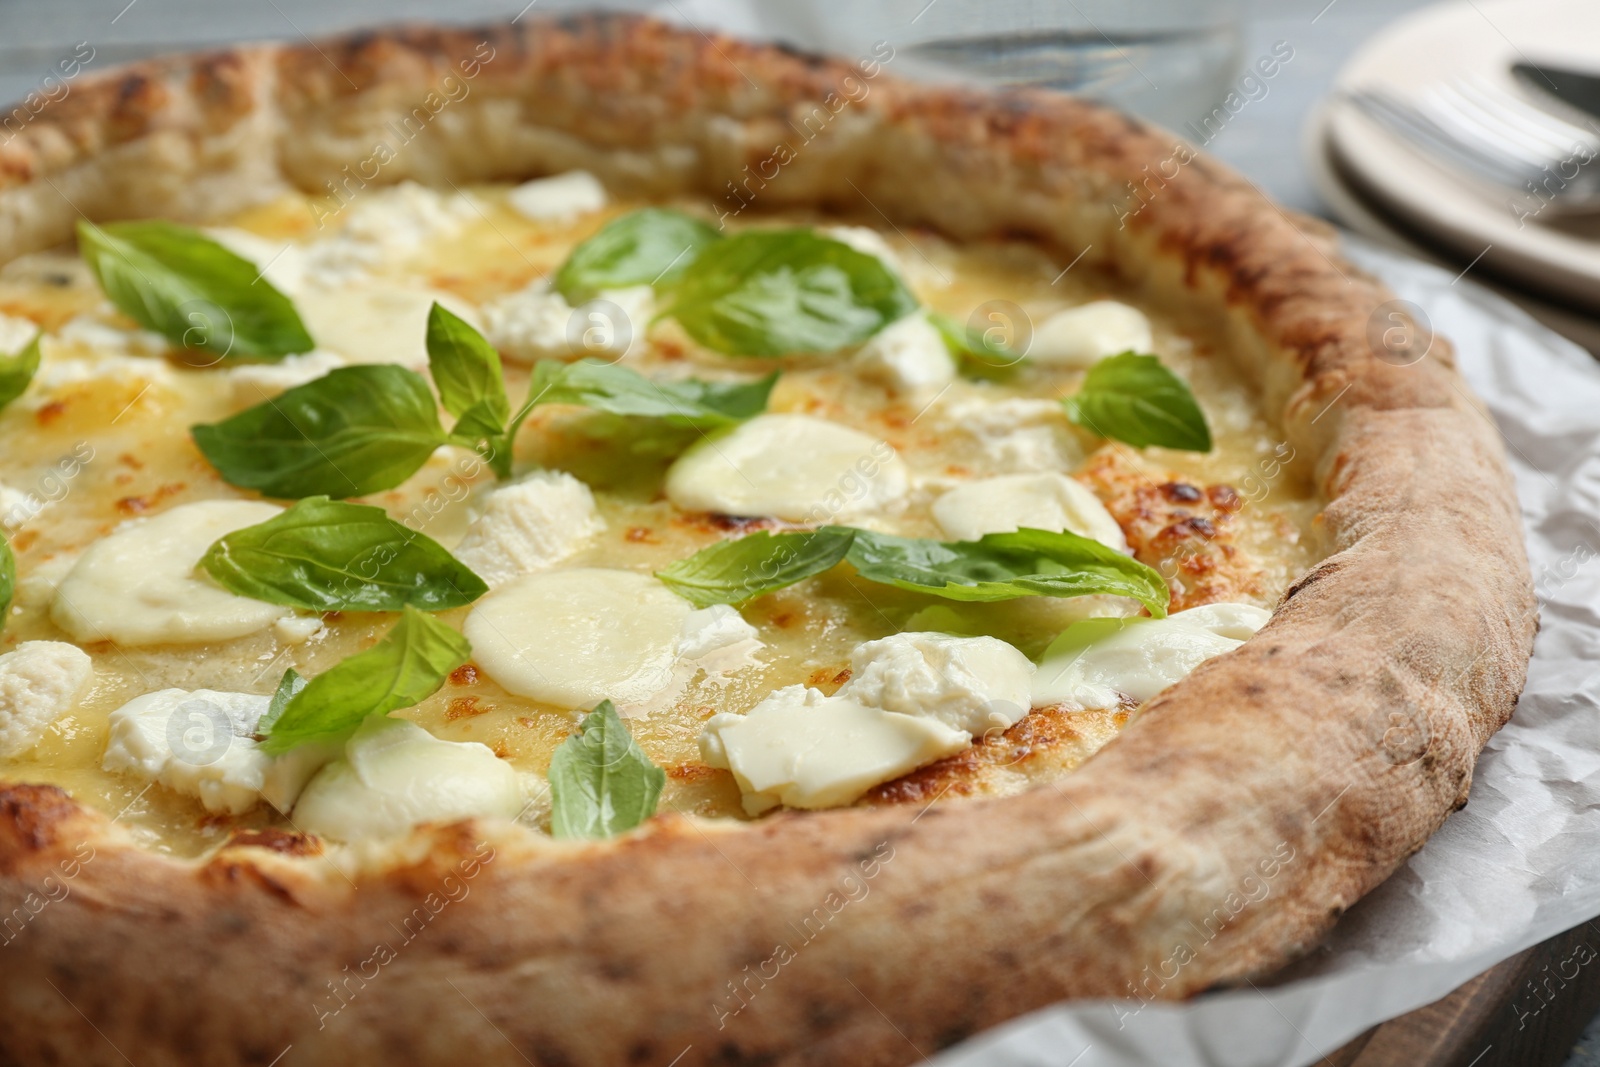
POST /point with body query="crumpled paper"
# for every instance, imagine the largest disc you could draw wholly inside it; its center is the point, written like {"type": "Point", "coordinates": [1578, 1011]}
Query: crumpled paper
{"type": "Point", "coordinates": [1521, 862]}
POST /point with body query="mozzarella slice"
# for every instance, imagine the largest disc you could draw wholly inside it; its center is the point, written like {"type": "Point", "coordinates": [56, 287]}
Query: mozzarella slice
{"type": "Point", "coordinates": [375, 321]}
{"type": "Point", "coordinates": [281, 263]}
{"type": "Point", "coordinates": [973, 684]}
{"type": "Point", "coordinates": [1099, 662]}
{"type": "Point", "coordinates": [1048, 501]}
{"type": "Point", "coordinates": [576, 637]}
{"type": "Point", "coordinates": [793, 467]}
{"type": "Point", "coordinates": [803, 750]}
{"type": "Point", "coordinates": [395, 775]}
{"type": "Point", "coordinates": [39, 682]}
{"type": "Point", "coordinates": [529, 525]}
{"type": "Point", "coordinates": [559, 198]}
{"type": "Point", "coordinates": [15, 333]}
{"type": "Point", "coordinates": [710, 630]}
{"type": "Point", "coordinates": [141, 585]}
{"type": "Point", "coordinates": [255, 383]}
{"type": "Point", "coordinates": [908, 356]}
{"type": "Point", "coordinates": [196, 743]}
{"type": "Point", "coordinates": [1081, 336]}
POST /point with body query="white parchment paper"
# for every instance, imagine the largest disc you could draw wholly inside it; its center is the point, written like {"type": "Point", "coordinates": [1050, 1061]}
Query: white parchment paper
{"type": "Point", "coordinates": [1521, 862]}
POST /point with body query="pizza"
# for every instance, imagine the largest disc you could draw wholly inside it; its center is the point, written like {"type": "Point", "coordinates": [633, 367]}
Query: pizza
{"type": "Point", "coordinates": [580, 542]}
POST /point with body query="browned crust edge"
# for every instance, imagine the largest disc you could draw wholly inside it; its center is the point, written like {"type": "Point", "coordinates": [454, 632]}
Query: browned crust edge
{"type": "Point", "coordinates": [1220, 835]}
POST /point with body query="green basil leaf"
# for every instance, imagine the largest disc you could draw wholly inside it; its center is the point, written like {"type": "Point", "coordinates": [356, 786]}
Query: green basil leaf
{"type": "Point", "coordinates": [1134, 399]}
{"type": "Point", "coordinates": [289, 687]}
{"type": "Point", "coordinates": [331, 555]}
{"type": "Point", "coordinates": [1003, 566]}
{"type": "Point", "coordinates": [690, 403]}
{"type": "Point", "coordinates": [977, 355]}
{"type": "Point", "coordinates": [601, 782]}
{"type": "Point", "coordinates": [8, 580]}
{"type": "Point", "coordinates": [650, 247]}
{"type": "Point", "coordinates": [191, 290]}
{"type": "Point", "coordinates": [18, 369]}
{"type": "Point", "coordinates": [731, 572]}
{"type": "Point", "coordinates": [773, 292]}
{"type": "Point", "coordinates": [466, 369]}
{"type": "Point", "coordinates": [354, 431]}
{"type": "Point", "coordinates": [405, 668]}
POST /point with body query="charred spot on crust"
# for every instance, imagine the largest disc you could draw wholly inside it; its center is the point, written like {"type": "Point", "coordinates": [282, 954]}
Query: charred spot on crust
{"type": "Point", "coordinates": [34, 813]}
{"type": "Point", "coordinates": [1181, 492]}
{"type": "Point", "coordinates": [283, 842]}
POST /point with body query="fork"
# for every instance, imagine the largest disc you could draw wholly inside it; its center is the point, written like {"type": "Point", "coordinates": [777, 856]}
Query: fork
{"type": "Point", "coordinates": [1498, 137]}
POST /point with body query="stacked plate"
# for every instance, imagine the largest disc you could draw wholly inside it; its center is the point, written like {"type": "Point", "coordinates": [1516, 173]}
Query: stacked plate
{"type": "Point", "coordinates": [1429, 143]}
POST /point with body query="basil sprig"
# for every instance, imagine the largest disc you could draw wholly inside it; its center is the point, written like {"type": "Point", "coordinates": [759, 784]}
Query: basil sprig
{"type": "Point", "coordinates": [472, 387]}
{"type": "Point", "coordinates": [18, 369]}
{"type": "Point", "coordinates": [998, 566]}
{"type": "Point", "coordinates": [354, 431]}
{"type": "Point", "coordinates": [650, 247]}
{"type": "Point", "coordinates": [191, 290]}
{"type": "Point", "coordinates": [977, 355]}
{"type": "Point", "coordinates": [731, 572]}
{"type": "Point", "coordinates": [689, 403]}
{"type": "Point", "coordinates": [776, 292]}
{"type": "Point", "coordinates": [331, 555]}
{"type": "Point", "coordinates": [1135, 399]}
{"type": "Point", "coordinates": [601, 782]}
{"type": "Point", "coordinates": [405, 668]}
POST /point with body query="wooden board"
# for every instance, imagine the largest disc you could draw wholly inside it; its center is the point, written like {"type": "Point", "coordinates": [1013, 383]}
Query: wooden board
{"type": "Point", "coordinates": [1525, 1012]}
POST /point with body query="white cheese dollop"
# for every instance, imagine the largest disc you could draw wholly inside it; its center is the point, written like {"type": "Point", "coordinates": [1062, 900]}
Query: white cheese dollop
{"type": "Point", "coordinates": [377, 229]}
{"type": "Point", "coordinates": [39, 682]}
{"type": "Point", "coordinates": [576, 637]}
{"type": "Point", "coordinates": [793, 467]}
{"type": "Point", "coordinates": [1098, 662]}
{"type": "Point", "coordinates": [560, 198]}
{"type": "Point", "coordinates": [1047, 501]}
{"type": "Point", "coordinates": [196, 743]}
{"type": "Point", "coordinates": [1084, 335]}
{"type": "Point", "coordinates": [803, 750]}
{"type": "Point", "coordinates": [975, 684]}
{"type": "Point", "coordinates": [529, 525]}
{"type": "Point", "coordinates": [141, 585]}
{"type": "Point", "coordinates": [711, 630]}
{"type": "Point", "coordinates": [536, 322]}
{"type": "Point", "coordinates": [395, 775]}
{"type": "Point", "coordinates": [1018, 434]}
{"type": "Point", "coordinates": [908, 356]}
{"type": "Point", "coordinates": [15, 333]}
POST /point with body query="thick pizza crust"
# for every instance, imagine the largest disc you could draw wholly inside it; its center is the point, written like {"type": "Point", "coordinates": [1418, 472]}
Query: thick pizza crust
{"type": "Point", "coordinates": [1221, 834]}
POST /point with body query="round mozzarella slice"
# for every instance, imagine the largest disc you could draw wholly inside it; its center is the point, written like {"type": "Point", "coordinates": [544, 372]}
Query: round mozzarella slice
{"type": "Point", "coordinates": [1084, 335]}
{"type": "Point", "coordinates": [792, 467]}
{"type": "Point", "coordinates": [396, 775]}
{"type": "Point", "coordinates": [141, 585]}
{"type": "Point", "coordinates": [576, 637]}
{"type": "Point", "coordinates": [908, 356]}
{"type": "Point", "coordinates": [1048, 501]}
{"type": "Point", "coordinates": [376, 322]}
{"type": "Point", "coordinates": [1098, 662]}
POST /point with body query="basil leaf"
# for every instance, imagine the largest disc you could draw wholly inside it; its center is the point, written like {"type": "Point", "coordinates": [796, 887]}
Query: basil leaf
{"type": "Point", "coordinates": [976, 354]}
{"type": "Point", "coordinates": [1134, 399]}
{"type": "Point", "coordinates": [289, 687]}
{"type": "Point", "coordinates": [690, 403]}
{"type": "Point", "coordinates": [601, 782]}
{"type": "Point", "coordinates": [17, 370]}
{"type": "Point", "coordinates": [466, 369]}
{"type": "Point", "coordinates": [731, 572]}
{"type": "Point", "coordinates": [191, 290]}
{"type": "Point", "coordinates": [650, 247]}
{"type": "Point", "coordinates": [8, 580]}
{"type": "Point", "coordinates": [773, 292]}
{"type": "Point", "coordinates": [331, 555]}
{"type": "Point", "coordinates": [1002, 566]}
{"type": "Point", "coordinates": [356, 430]}
{"type": "Point", "coordinates": [406, 667]}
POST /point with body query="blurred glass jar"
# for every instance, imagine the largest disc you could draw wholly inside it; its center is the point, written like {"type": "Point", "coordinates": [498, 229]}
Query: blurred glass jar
{"type": "Point", "coordinates": [1170, 61]}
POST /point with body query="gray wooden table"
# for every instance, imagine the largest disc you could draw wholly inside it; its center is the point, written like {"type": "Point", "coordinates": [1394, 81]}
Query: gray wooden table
{"type": "Point", "coordinates": [1263, 141]}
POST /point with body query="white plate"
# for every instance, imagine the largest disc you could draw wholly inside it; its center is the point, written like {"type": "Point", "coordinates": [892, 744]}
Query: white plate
{"type": "Point", "coordinates": [1557, 258]}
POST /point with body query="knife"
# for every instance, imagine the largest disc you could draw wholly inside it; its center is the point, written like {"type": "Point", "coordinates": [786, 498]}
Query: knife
{"type": "Point", "coordinates": [1573, 88]}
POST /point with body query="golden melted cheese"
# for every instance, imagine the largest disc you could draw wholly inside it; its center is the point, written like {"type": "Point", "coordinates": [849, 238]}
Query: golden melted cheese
{"type": "Point", "coordinates": [102, 449]}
